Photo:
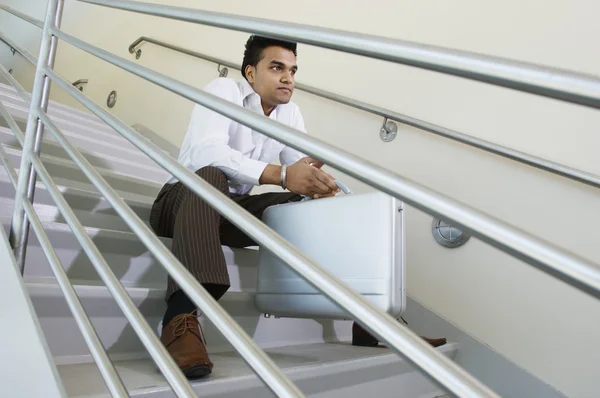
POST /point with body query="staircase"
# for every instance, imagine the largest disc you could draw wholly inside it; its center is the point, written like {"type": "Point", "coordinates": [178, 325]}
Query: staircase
{"type": "Point", "coordinates": [315, 354]}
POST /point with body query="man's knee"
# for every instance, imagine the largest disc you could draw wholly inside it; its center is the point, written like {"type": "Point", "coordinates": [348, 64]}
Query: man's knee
{"type": "Point", "coordinates": [214, 176]}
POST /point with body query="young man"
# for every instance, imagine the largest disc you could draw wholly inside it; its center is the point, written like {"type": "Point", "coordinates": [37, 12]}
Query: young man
{"type": "Point", "coordinates": [233, 158]}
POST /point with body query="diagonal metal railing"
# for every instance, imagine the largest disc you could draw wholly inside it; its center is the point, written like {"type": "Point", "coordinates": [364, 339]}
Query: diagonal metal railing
{"type": "Point", "coordinates": [478, 143]}
{"type": "Point", "coordinates": [567, 86]}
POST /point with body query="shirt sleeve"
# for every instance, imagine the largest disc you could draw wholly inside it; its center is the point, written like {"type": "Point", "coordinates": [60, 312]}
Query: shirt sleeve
{"type": "Point", "coordinates": [290, 155]}
{"type": "Point", "coordinates": [209, 138]}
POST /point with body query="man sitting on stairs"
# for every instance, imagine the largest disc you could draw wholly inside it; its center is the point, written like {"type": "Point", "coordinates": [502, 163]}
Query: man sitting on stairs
{"type": "Point", "coordinates": [232, 158]}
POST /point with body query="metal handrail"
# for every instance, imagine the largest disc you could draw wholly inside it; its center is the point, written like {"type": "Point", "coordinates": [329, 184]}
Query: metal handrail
{"type": "Point", "coordinates": [554, 83]}
{"type": "Point", "coordinates": [26, 54]}
{"type": "Point", "coordinates": [496, 149]}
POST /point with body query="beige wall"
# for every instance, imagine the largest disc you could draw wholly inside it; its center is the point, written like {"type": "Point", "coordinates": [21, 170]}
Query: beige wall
{"type": "Point", "coordinates": [536, 321]}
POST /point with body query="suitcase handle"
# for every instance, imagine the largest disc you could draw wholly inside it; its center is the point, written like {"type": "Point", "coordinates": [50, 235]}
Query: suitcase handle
{"type": "Point", "coordinates": [340, 185]}
{"type": "Point", "coordinates": [343, 187]}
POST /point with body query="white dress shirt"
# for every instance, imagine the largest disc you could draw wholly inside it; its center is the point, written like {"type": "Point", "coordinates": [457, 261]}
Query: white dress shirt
{"type": "Point", "coordinates": [240, 152]}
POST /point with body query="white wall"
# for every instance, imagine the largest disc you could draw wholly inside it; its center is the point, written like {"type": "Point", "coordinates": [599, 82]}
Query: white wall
{"type": "Point", "coordinates": [536, 321]}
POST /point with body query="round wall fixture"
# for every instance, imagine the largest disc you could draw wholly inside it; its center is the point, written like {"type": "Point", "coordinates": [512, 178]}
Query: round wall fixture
{"type": "Point", "coordinates": [448, 235]}
{"type": "Point", "coordinates": [112, 99]}
{"type": "Point", "coordinates": [388, 131]}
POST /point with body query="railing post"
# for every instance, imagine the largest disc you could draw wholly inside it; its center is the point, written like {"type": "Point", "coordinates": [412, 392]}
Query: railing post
{"type": "Point", "coordinates": [34, 132]}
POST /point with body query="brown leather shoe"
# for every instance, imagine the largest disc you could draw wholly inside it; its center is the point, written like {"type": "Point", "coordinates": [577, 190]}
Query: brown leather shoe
{"type": "Point", "coordinates": [362, 338]}
{"type": "Point", "coordinates": [184, 340]}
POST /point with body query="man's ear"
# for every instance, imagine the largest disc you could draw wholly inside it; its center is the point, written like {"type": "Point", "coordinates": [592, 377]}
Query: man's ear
{"type": "Point", "coordinates": [250, 70]}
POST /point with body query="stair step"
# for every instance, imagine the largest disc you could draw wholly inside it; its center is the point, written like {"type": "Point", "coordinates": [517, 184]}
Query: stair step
{"type": "Point", "coordinates": [116, 164]}
{"type": "Point", "coordinates": [127, 256]}
{"type": "Point", "coordinates": [68, 347]}
{"type": "Point", "coordinates": [11, 98]}
{"type": "Point", "coordinates": [90, 207]}
{"type": "Point", "coordinates": [54, 107]}
{"type": "Point", "coordinates": [99, 139]}
{"type": "Point", "coordinates": [319, 370]}
{"type": "Point", "coordinates": [66, 169]}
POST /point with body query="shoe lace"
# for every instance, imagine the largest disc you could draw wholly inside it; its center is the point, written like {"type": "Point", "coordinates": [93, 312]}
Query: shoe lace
{"type": "Point", "coordinates": [188, 322]}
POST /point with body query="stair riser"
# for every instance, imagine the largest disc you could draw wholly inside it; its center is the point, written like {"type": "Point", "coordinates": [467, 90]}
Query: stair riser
{"type": "Point", "coordinates": [67, 120]}
{"type": "Point", "coordinates": [92, 210]}
{"type": "Point", "coordinates": [70, 172]}
{"type": "Point", "coordinates": [90, 140]}
{"type": "Point", "coordinates": [9, 95]}
{"type": "Point", "coordinates": [67, 344]}
{"type": "Point", "coordinates": [115, 164]}
{"type": "Point", "coordinates": [49, 213]}
{"type": "Point", "coordinates": [132, 270]}
{"type": "Point", "coordinates": [128, 258]}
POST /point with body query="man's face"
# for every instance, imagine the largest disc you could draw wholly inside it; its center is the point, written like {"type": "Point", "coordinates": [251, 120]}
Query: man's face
{"type": "Point", "coordinates": [273, 76]}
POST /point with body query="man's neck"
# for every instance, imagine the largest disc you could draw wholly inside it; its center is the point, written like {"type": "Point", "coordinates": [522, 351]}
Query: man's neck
{"type": "Point", "coordinates": [267, 109]}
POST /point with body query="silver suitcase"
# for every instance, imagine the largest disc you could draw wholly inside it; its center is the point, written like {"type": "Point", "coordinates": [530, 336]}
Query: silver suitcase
{"type": "Point", "coordinates": [359, 238]}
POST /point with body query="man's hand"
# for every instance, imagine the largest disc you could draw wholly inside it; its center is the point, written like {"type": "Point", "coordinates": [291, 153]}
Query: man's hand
{"type": "Point", "coordinates": [305, 177]}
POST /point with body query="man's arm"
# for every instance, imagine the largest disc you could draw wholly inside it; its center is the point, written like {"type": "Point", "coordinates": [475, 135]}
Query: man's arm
{"type": "Point", "coordinates": [323, 185]}
{"type": "Point", "coordinates": [208, 135]}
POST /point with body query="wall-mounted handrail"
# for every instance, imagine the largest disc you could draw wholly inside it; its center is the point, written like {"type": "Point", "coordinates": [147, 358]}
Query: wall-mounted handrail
{"type": "Point", "coordinates": [24, 17]}
{"type": "Point", "coordinates": [569, 267]}
{"type": "Point", "coordinates": [500, 150]}
{"type": "Point", "coordinates": [26, 54]}
{"type": "Point", "coordinates": [549, 82]}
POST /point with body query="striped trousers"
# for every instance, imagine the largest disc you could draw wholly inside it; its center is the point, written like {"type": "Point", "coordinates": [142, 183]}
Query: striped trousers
{"type": "Point", "coordinates": [198, 231]}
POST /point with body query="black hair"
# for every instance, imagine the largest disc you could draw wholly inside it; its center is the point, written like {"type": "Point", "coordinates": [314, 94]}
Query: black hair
{"type": "Point", "coordinates": [255, 46]}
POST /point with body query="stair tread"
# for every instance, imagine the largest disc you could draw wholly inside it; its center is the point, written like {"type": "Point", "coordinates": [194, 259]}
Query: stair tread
{"type": "Point", "coordinates": [56, 110]}
{"type": "Point", "coordinates": [230, 371]}
{"type": "Point", "coordinates": [88, 154]}
{"type": "Point", "coordinates": [88, 190]}
{"type": "Point", "coordinates": [68, 163]}
{"type": "Point", "coordinates": [91, 231]}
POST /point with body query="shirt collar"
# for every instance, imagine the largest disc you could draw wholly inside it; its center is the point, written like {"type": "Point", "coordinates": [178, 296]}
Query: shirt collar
{"type": "Point", "coordinates": [247, 89]}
